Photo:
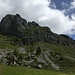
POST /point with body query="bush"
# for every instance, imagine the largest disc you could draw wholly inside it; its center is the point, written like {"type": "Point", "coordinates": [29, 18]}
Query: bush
{"type": "Point", "coordinates": [38, 51]}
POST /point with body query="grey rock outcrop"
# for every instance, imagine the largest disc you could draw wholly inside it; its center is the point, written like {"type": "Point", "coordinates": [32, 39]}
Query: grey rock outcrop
{"type": "Point", "coordinates": [31, 32]}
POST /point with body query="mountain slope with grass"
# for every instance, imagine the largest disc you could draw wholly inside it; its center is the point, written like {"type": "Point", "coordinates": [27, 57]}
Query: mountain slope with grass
{"type": "Point", "coordinates": [9, 70]}
{"type": "Point", "coordinates": [28, 44]}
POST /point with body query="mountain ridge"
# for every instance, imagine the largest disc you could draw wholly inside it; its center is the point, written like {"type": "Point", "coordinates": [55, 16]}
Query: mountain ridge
{"type": "Point", "coordinates": [30, 32]}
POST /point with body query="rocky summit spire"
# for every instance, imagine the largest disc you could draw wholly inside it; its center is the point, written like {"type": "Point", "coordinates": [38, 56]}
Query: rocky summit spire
{"type": "Point", "coordinates": [13, 24]}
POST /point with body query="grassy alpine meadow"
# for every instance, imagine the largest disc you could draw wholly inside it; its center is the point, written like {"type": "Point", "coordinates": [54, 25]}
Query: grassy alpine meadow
{"type": "Point", "coordinates": [21, 70]}
{"type": "Point", "coordinates": [7, 43]}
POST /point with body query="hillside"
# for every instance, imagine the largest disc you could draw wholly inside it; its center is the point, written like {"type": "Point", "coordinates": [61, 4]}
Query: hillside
{"type": "Point", "coordinates": [9, 70]}
{"type": "Point", "coordinates": [30, 32]}
{"type": "Point", "coordinates": [28, 44]}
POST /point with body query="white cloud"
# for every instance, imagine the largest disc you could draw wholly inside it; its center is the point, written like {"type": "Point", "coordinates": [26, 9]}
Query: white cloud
{"type": "Point", "coordinates": [39, 11]}
{"type": "Point", "coordinates": [52, 5]}
{"type": "Point", "coordinates": [72, 4]}
{"type": "Point", "coordinates": [64, 4]}
{"type": "Point", "coordinates": [4, 7]}
{"type": "Point", "coordinates": [73, 16]}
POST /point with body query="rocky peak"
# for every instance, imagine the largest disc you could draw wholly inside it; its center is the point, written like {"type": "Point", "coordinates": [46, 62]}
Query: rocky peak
{"type": "Point", "coordinates": [30, 32]}
{"type": "Point", "coordinates": [13, 24]}
{"type": "Point", "coordinates": [17, 15]}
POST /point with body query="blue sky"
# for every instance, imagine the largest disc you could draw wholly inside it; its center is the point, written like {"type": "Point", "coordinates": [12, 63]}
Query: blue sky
{"type": "Point", "coordinates": [58, 15]}
{"type": "Point", "coordinates": [58, 3]}
{"type": "Point", "coordinates": [67, 4]}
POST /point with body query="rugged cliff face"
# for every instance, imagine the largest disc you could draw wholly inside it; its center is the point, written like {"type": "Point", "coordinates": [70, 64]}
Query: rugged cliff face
{"type": "Point", "coordinates": [13, 25]}
{"type": "Point", "coordinates": [31, 32]}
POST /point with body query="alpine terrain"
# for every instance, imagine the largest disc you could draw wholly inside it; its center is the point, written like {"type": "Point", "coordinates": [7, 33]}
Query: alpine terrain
{"type": "Point", "coordinates": [24, 43]}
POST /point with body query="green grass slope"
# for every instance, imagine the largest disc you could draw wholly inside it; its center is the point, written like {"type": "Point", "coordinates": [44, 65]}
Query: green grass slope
{"type": "Point", "coordinates": [20, 70]}
{"type": "Point", "coordinates": [67, 66]}
{"type": "Point", "coordinates": [7, 42]}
